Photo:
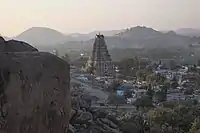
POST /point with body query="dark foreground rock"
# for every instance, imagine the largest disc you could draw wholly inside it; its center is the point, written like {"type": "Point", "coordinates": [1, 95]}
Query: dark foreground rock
{"type": "Point", "coordinates": [34, 90]}
{"type": "Point", "coordinates": [15, 46]}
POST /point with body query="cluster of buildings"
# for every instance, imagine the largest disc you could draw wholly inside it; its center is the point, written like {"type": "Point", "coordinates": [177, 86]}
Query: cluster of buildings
{"type": "Point", "coordinates": [186, 85]}
{"type": "Point", "coordinates": [103, 72]}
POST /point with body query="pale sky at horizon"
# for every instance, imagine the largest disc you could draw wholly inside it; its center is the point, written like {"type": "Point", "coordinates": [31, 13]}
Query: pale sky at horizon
{"type": "Point", "coordinates": [68, 16]}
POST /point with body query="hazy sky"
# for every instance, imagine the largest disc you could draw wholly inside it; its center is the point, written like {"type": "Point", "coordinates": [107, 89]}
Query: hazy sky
{"type": "Point", "coordinates": [87, 15]}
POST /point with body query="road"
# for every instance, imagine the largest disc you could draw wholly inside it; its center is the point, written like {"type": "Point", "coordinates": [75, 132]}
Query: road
{"type": "Point", "coordinates": [93, 92]}
{"type": "Point", "coordinates": [101, 95]}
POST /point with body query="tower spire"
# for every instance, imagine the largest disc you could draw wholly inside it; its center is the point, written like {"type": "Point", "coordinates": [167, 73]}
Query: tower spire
{"type": "Point", "coordinates": [101, 59]}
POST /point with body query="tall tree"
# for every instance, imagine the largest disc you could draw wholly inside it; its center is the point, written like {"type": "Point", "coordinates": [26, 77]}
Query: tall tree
{"type": "Point", "coordinates": [128, 66]}
{"type": "Point", "coordinates": [172, 64]}
{"type": "Point", "coordinates": [150, 92]}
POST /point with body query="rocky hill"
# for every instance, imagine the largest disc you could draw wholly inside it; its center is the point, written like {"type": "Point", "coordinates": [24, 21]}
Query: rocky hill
{"type": "Point", "coordinates": [88, 36]}
{"type": "Point", "coordinates": [143, 37]}
{"type": "Point", "coordinates": [188, 32]}
{"type": "Point", "coordinates": [15, 46]}
{"type": "Point", "coordinates": [47, 39]}
{"type": "Point", "coordinates": [34, 90]}
{"type": "Point", "coordinates": [85, 119]}
{"type": "Point", "coordinates": [42, 36]}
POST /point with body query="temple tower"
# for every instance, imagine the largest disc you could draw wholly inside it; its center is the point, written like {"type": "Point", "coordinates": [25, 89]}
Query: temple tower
{"type": "Point", "coordinates": [101, 59]}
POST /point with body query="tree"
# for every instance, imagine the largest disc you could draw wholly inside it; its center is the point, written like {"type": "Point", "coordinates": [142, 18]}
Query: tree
{"type": "Point", "coordinates": [161, 79]}
{"type": "Point", "coordinates": [172, 64]}
{"type": "Point", "coordinates": [198, 81]}
{"type": "Point", "coordinates": [140, 75]}
{"type": "Point", "coordinates": [114, 84]}
{"type": "Point", "coordinates": [127, 93]}
{"type": "Point", "coordinates": [137, 62]}
{"type": "Point", "coordinates": [174, 103]}
{"type": "Point", "coordinates": [143, 74]}
{"type": "Point", "coordinates": [91, 69]}
{"type": "Point", "coordinates": [174, 83]}
{"type": "Point", "coordinates": [161, 95]}
{"type": "Point", "coordinates": [154, 79]}
{"type": "Point", "coordinates": [144, 101]}
{"type": "Point", "coordinates": [193, 69]}
{"type": "Point", "coordinates": [198, 63]}
{"type": "Point", "coordinates": [189, 91]}
{"type": "Point", "coordinates": [150, 92]}
{"type": "Point", "coordinates": [151, 78]}
{"type": "Point", "coordinates": [128, 66]}
{"type": "Point", "coordinates": [114, 99]}
{"type": "Point", "coordinates": [180, 118]}
{"type": "Point", "coordinates": [134, 123]}
{"type": "Point", "coordinates": [195, 126]}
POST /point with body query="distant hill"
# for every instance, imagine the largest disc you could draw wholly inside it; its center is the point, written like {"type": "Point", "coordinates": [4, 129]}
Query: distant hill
{"type": "Point", "coordinates": [42, 36]}
{"type": "Point", "coordinates": [88, 36]}
{"type": "Point", "coordinates": [105, 33]}
{"type": "Point", "coordinates": [46, 39]}
{"type": "Point", "coordinates": [188, 32]}
{"type": "Point", "coordinates": [143, 37]}
{"type": "Point", "coordinates": [80, 37]}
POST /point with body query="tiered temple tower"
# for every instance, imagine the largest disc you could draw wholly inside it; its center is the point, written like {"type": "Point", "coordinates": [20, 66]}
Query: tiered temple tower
{"type": "Point", "coordinates": [101, 59]}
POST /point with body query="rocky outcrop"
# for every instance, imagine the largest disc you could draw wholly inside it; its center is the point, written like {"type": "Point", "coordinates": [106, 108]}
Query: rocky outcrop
{"type": "Point", "coordinates": [15, 46]}
{"type": "Point", "coordinates": [84, 119]}
{"type": "Point", "coordinates": [88, 122]}
{"type": "Point", "coordinates": [34, 90]}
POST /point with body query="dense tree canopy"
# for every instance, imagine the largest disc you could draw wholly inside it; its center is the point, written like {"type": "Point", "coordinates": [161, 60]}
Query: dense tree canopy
{"type": "Point", "coordinates": [177, 119]}
{"type": "Point", "coordinates": [144, 101]}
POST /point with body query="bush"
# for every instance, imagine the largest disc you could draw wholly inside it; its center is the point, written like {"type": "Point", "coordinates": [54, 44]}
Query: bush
{"type": "Point", "coordinates": [114, 99]}
{"type": "Point", "coordinates": [144, 101]}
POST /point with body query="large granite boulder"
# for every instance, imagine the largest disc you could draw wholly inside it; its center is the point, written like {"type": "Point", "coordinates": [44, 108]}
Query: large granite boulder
{"type": "Point", "coordinates": [15, 46]}
{"type": "Point", "coordinates": [34, 90]}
